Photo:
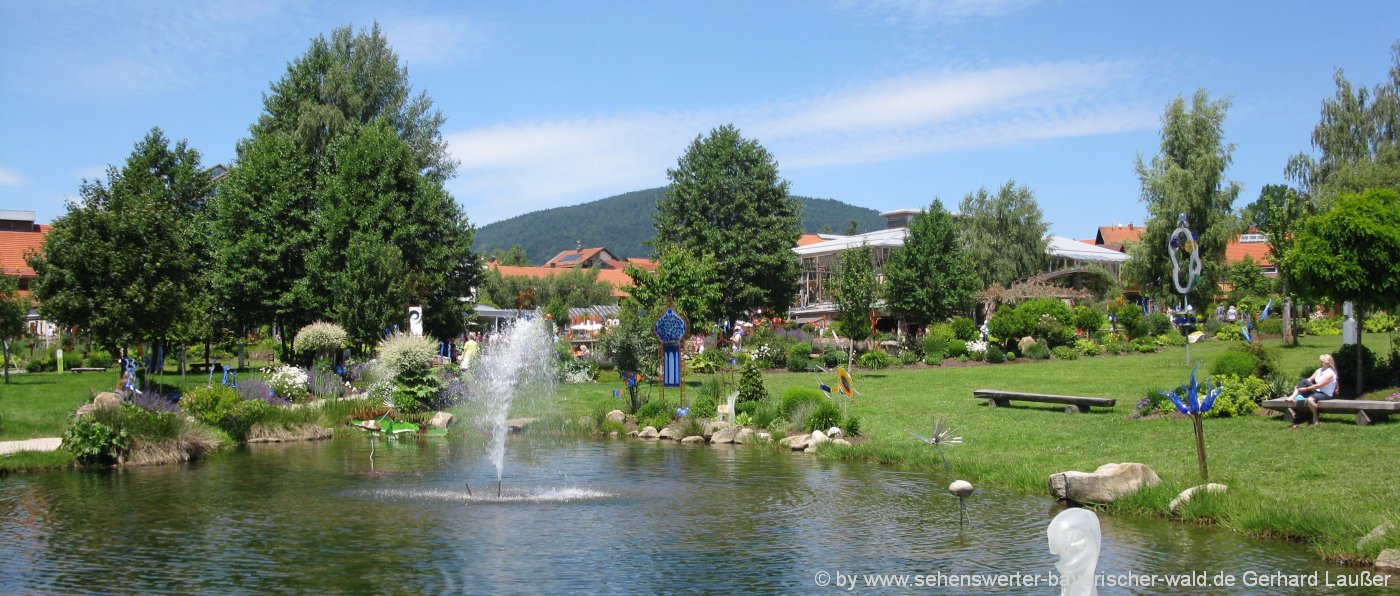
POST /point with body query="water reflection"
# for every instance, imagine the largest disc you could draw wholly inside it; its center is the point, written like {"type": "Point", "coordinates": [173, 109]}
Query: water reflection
{"type": "Point", "coordinates": [605, 516]}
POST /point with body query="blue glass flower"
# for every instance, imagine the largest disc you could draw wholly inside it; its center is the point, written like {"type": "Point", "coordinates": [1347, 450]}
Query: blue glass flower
{"type": "Point", "coordinates": [682, 412]}
{"type": "Point", "coordinates": [1187, 397]}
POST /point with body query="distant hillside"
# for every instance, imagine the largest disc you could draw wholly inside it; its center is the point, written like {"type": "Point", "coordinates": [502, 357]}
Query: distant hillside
{"type": "Point", "coordinates": [622, 223]}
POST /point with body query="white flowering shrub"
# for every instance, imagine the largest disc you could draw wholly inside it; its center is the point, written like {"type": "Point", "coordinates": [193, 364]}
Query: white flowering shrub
{"type": "Point", "coordinates": [287, 382]}
{"type": "Point", "coordinates": [977, 349]}
{"type": "Point", "coordinates": [319, 338]}
{"type": "Point", "coordinates": [401, 353]}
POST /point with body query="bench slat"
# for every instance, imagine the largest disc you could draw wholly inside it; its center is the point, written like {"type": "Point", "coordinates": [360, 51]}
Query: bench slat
{"type": "Point", "coordinates": [997, 394]}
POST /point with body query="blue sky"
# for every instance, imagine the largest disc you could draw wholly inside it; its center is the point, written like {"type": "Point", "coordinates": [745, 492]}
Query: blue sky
{"type": "Point", "coordinates": [880, 103]}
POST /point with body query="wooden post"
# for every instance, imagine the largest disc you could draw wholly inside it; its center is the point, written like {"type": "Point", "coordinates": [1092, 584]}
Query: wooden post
{"type": "Point", "coordinates": [1200, 445]}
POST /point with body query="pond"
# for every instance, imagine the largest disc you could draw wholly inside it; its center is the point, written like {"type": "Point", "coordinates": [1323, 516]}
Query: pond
{"type": "Point", "coordinates": [577, 515]}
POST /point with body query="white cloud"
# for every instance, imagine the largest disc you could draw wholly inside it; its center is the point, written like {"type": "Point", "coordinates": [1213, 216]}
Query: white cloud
{"type": "Point", "coordinates": [10, 178]}
{"type": "Point", "coordinates": [512, 168]}
{"type": "Point", "coordinates": [434, 41]}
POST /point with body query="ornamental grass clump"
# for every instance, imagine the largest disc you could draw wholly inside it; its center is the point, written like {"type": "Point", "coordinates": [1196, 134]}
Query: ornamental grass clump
{"type": "Point", "coordinates": [408, 361]}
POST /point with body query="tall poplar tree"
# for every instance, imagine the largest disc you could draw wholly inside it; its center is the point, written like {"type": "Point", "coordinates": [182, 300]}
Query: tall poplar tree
{"type": "Point", "coordinates": [930, 279]}
{"type": "Point", "coordinates": [1005, 234]}
{"type": "Point", "coordinates": [1187, 176]}
{"type": "Point", "coordinates": [726, 200]}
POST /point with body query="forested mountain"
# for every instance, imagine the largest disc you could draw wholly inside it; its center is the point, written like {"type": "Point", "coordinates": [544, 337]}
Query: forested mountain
{"type": "Point", "coordinates": [624, 222]}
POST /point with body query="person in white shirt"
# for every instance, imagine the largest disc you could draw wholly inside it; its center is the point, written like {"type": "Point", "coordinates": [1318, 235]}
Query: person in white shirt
{"type": "Point", "coordinates": [1322, 385]}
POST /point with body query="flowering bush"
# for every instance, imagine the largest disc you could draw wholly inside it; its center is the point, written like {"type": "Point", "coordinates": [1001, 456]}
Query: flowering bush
{"type": "Point", "coordinates": [288, 382]}
{"type": "Point", "coordinates": [319, 338]}
{"type": "Point", "coordinates": [402, 352]}
{"type": "Point", "coordinates": [977, 350]}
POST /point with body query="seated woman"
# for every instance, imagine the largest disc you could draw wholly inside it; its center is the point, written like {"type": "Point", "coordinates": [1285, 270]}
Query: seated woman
{"type": "Point", "coordinates": [1322, 385]}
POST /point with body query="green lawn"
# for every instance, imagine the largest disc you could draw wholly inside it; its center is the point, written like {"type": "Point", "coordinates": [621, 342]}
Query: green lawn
{"type": "Point", "coordinates": [1327, 486]}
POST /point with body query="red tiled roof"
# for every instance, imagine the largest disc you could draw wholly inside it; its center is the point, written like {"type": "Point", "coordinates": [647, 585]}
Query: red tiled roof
{"type": "Point", "coordinates": [806, 239]}
{"type": "Point", "coordinates": [15, 245]}
{"type": "Point", "coordinates": [1259, 251]}
{"type": "Point", "coordinates": [572, 258]}
{"type": "Point", "coordinates": [1115, 237]}
{"type": "Point", "coordinates": [617, 277]}
{"type": "Point", "coordinates": [641, 263]}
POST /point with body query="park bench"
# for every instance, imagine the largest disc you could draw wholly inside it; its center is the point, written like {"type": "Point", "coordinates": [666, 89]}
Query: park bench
{"type": "Point", "coordinates": [1367, 411]}
{"type": "Point", "coordinates": [997, 398]}
{"type": "Point", "coordinates": [81, 369]}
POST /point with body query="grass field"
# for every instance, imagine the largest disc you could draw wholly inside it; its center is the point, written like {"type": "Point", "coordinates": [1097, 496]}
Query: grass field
{"type": "Point", "coordinates": [1327, 486]}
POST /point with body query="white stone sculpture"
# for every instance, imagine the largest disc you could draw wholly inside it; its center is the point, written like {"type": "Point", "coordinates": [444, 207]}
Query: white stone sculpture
{"type": "Point", "coordinates": [1074, 536]}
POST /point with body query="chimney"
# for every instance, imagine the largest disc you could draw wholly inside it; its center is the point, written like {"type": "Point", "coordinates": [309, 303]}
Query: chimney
{"type": "Point", "coordinates": [1130, 225]}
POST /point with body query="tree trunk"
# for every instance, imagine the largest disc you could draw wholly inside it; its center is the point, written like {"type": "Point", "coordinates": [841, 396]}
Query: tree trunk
{"type": "Point", "coordinates": [1289, 339]}
{"type": "Point", "coordinates": [1359, 347]}
{"type": "Point", "coordinates": [7, 362]}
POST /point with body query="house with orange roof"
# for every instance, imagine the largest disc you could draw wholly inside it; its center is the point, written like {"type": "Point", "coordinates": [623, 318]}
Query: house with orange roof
{"type": "Point", "coordinates": [610, 268]}
{"type": "Point", "coordinates": [20, 236]}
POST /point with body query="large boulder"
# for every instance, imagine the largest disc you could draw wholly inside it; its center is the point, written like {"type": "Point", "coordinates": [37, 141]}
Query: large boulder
{"type": "Point", "coordinates": [1104, 485]}
{"type": "Point", "coordinates": [796, 442]}
{"type": "Point", "coordinates": [1376, 535]}
{"type": "Point", "coordinates": [1024, 344]}
{"type": "Point", "coordinates": [834, 432]}
{"type": "Point", "coordinates": [728, 434]}
{"type": "Point", "coordinates": [693, 439]}
{"type": "Point", "coordinates": [648, 433]}
{"type": "Point", "coordinates": [617, 416]}
{"type": "Point", "coordinates": [669, 434]}
{"type": "Point", "coordinates": [745, 435]}
{"type": "Point", "coordinates": [1389, 560]}
{"type": "Point", "coordinates": [817, 438]}
{"type": "Point", "coordinates": [442, 420]}
{"type": "Point", "coordinates": [518, 425]}
{"type": "Point", "coordinates": [713, 427]}
{"type": "Point", "coordinates": [107, 399]}
{"type": "Point", "coordinates": [1186, 495]}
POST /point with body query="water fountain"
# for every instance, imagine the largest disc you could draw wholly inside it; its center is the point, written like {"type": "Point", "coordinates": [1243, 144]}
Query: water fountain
{"type": "Point", "coordinates": [519, 362]}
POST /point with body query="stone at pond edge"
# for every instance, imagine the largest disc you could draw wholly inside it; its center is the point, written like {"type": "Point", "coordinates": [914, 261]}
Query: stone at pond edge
{"type": "Point", "coordinates": [1186, 495]}
{"type": "Point", "coordinates": [1375, 535]}
{"type": "Point", "coordinates": [796, 442]}
{"type": "Point", "coordinates": [667, 434]}
{"type": "Point", "coordinates": [728, 434]}
{"type": "Point", "coordinates": [631, 433]}
{"type": "Point", "coordinates": [841, 442]}
{"type": "Point", "coordinates": [765, 436]}
{"type": "Point", "coordinates": [817, 438]}
{"type": "Point", "coordinates": [1389, 560]}
{"type": "Point", "coordinates": [518, 425]}
{"type": "Point", "coordinates": [617, 416]}
{"type": "Point", "coordinates": [833, 432]}
{"type": "Point", "coordinates": [712, 427]}
{"type": "Point", "coordinates": [648, 433]}
{"type": "Point", "coordinates": [442, 420]}
{"type": "Point", "coordinates": [745, 435]}
{"type": "Point", "coordinates": [1104, 485]}
{"type": "Point", "coordinates": [614, 435]}
{"type": "Point", "coordinates": [960, 488]}
{"type": "Point", "coordinates": [693, 439]}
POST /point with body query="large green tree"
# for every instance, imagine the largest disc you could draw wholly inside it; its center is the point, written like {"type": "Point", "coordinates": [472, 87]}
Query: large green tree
{"type": "Point", "coordinates": [684, 280]}
{"type": "Point", "coordinates": [124, 262]}
{"type": "Point", "coordinates": [13, 310]}
{"type": "Point", "coordinates": [341, 177]}
{"type": "Point", "coordinates": [1349, 254]}
{"type": "Point", "coordinates": [726, 200]}
{"type": "Point", "coordinates": [856, 291]}
{"type": "Point", "coordinates": [1357, 138]}
{"type": "Point", "coordinates": [1005, 234]}
{"type": "Point", "coordinates": [930, 279]}
{"type": "Point", "coordinates": [1187, 176]}
{"type": "Point", "coordinates": [1278, 212]}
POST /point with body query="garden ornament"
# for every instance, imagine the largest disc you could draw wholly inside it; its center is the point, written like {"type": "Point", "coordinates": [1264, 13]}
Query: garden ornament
{"type": "Point", "coordinates": [943, 435]}
{"type": "Point", "coordinates": [1182, 239]}
{"type": "Point", "coordinates": [1074, 536]}
{"type": "Point", "coordinates": [1187, 401]}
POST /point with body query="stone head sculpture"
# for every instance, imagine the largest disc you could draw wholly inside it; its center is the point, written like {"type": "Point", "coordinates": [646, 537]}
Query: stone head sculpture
{"type": "Point", "coordinates": [1074, 535]}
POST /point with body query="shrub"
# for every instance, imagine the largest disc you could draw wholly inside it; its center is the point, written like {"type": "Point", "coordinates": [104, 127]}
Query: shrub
{"type": "Point", "coordinates": [1322, 326]}
{"type": "Point", "coordinates": [794, 397]}
{"type": "Point", "coordinates": [935, 346]}
{"type": "Point", "coordinates": [403, 352]}
{"type": "Point", "coordinates": [799, 355]}
{"type": "Point", "coordinates": [1238, 397]}
{"type": "Point", "coordinates": [942, 331]}
{"type": "Point", "coordinates": [241, 418]}
{"type": "Point", "coordinates": [100, 359]}
{"type": "Point", "coordinates": [1114, 347]}
{"type": "Point", "coordinates": [287, 382]}
{"type": "Point", "coordinates": [1010, 322]}
{"type": "Point", "coordinates": [1089, 318]}
{"type": "Point", "coordinates": [964, 328]}
{"type": "Point", "coordinates": [417, 391]}
{"type": "Point", "coordinates": [1132, 321]}
{"type": "Point", "coordinates": [833, 357]}
{"type": "Point", "coordinates": [140, 423]}
{"type": "Point", "coordinates": [1159, 323]}
{"type": "Point", "coordinates": [653, 408]}
{"type": "Point", "coordinates": [751, 384]}
{"type": "Point", "coordinates": [1038, 351]}
{"type": "Point", "coordinates": [765, 415]}
{"type": "Point", "coordinates": [210, 404]}
{"type": "Point", "coordinates": [875, 360]}
{"type": "Point", "coordinates": [1379, 322]}
{"type": "Point", "coordinates": [1229, 333]}
{"type": "Point", "coordinates": [1171, 338]}
{"type": "Point", "coordinates": [1233, 362]}
{"type": "Point", "coordinates": [1152, 403]}
{"type": "Point", "coordinates": [933, 359]}
{"type": "Point", "coordinates": [1346, 368]}
{"type": "Point", "coordinates": [1087, 347]}
{"type": "Point", "coordinates": [1144, 345]}
{"type": "Point", "coordinates": [1064, 353]}
{"type": "Point", "coordinates": [957, 348]}
{"type": "Point", "coordinates": [825, 415]}
{"type": "Point", "coordinates": [704, 406]}
{"type": "Point", "coordinates": [92, 442]}
{"type": "Point", "coordinates": [995, 355]}
{"type": "Point", "coordinates": [851, 426]}
{"type": "Point", "coordinates": [908, 357]}
{"type": "Point", "coordinates": [1271, 326]}
{"type": "Point", "coordinates": [319, 338]}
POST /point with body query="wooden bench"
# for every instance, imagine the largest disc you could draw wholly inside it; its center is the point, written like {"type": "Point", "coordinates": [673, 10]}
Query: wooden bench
{"type": "Point", "coordinates": [997, 398]}
{"type": "Point", "coordinates": [1367, 411]}
{"type": "Point", "coordinates": [81, 369]}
